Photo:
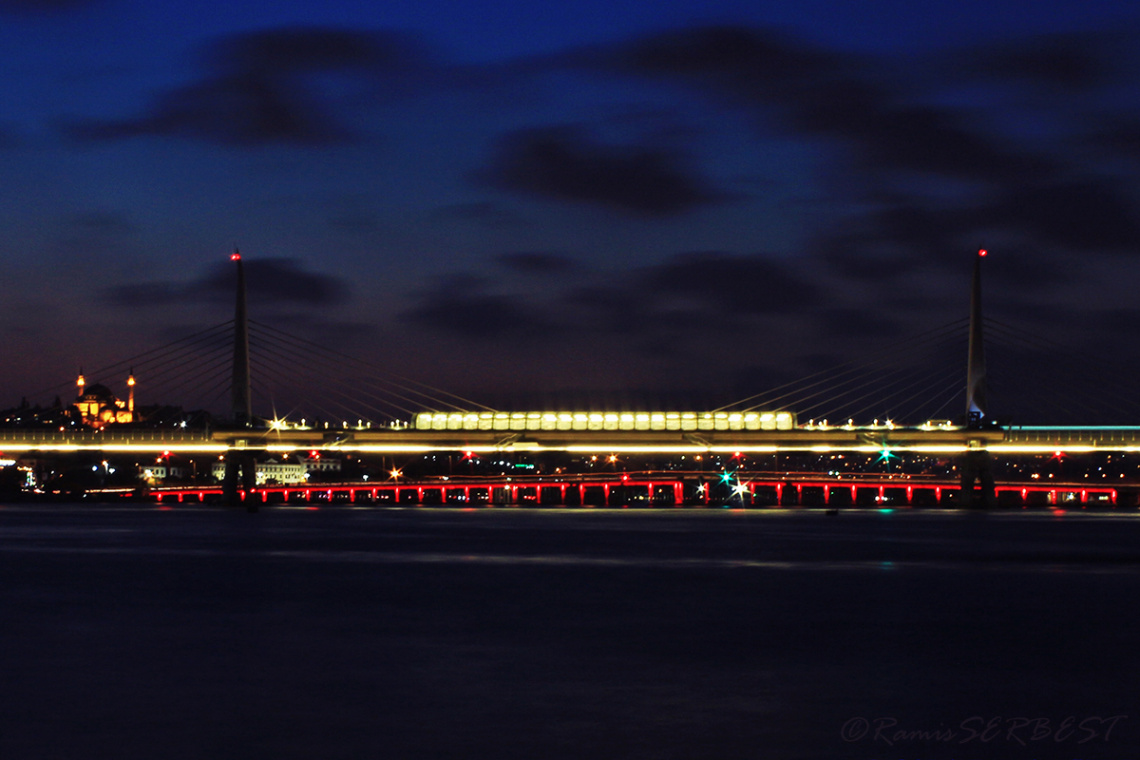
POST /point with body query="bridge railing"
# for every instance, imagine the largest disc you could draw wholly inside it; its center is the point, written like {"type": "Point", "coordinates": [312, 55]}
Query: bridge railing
{"type": "Point", "coordinates": [88, 437]}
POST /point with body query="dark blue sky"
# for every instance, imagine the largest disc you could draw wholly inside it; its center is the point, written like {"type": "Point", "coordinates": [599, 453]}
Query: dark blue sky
{"type": "Point", "coordinates": [586, 196]}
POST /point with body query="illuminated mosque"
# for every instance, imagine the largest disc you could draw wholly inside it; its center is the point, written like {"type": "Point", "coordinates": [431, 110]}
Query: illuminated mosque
{"type": "Point", "coordinates": [98, 406]}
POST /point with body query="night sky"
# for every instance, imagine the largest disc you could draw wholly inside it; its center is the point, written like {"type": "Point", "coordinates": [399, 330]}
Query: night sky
{"type": "Point", "coordinates": [684, 199]}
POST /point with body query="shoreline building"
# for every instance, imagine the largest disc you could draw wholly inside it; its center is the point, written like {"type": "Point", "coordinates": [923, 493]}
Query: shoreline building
{"type": "Point", "coordinates": [288, 470]}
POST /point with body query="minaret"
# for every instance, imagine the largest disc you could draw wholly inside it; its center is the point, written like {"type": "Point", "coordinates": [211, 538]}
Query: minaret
{"type": "Point", "coordinates": [80, 384]}
{"type": "Point", "coordinates": [976, 363]}
{"type": "Point", "coordinates": [241, 397]}
{"type": "Point", "coordinates": [131, 394]}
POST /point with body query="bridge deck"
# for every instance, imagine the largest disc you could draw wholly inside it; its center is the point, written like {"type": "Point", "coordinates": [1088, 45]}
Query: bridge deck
{"type": "Point", "coordinates": [999, 440]}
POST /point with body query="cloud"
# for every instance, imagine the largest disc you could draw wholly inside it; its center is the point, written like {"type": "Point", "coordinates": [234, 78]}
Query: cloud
{"type": "Point", "coordinates": [271, 280]}
{"type": "Point", "coordinates": [104, 223]}
{"type": "Point", "coordinates": [481, 212]}
{"type": "Point", "coordinates": [1122, 138]}
{"type": "Point", "coordinates": [1035, 232]}
{"type": "Point", "coordinates": [236, 111]}
{"type": "Point", "coordinates": [535, 263]}
{"type": "Point", "coordinates": [138, 295]}
{"type": "Point", "coordinates": [887, 243]}
{"type": "Point", "coordinates": [857, 323]}
{"type": "Point", "coordinates": [1083, 215]}
{"type": "Point", "coordinates": [1078, 61]}
{"type": "Point", "coordinates": [731, 283]}
{"type": "Point", "coordinates": [303, 50]}
{"type": "Point", "coordinates": [257, 91]}
{"type": "Point", "coordinates": [42, 7]}
{"type": "Point", "coordinates": [812, 92]}
{"type": "Point", "coordinates": [460, 306]}
{"type": "Point", "coordinates": [649, 309]}
{"type": "Point", "coordinates": [568, 164]}
{"type": "Point", "coordinates": [608, 310]}
{"type": "Point", "coordinates": [9, 137]}
{"type": "Point", "coordinates": [277, 280]}
{"type": "Point", "coordinates": [746, 62]}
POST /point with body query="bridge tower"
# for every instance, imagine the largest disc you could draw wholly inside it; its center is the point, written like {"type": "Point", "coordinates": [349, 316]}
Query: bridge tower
{"type": "Point", "coordinates": [976, 462]}
{"type": "Point", "coordinates": [240, 464]}
{"type": "Point", "coordinates": [240, 395]}
{"type": "Point", "coordinates": [976, 363]}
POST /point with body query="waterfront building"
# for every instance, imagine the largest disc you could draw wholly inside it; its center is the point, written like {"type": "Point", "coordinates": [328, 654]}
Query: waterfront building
{"type": "Point", "coordinates": [285, 471]}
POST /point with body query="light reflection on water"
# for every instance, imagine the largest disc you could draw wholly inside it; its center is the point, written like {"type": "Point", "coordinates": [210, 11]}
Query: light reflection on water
{"type": "Point", "coordinates": [766, 540]}
{"type": "Point", "coordinates": [573, 560]}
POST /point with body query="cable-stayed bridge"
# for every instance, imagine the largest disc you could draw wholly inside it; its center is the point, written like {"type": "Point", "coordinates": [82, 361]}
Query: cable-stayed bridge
{"type": "Point", "coordinates": [906, 397]}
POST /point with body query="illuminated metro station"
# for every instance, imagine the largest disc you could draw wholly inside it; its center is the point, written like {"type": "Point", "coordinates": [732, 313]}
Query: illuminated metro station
{"type": "Point", "coordinates": [588, 421]}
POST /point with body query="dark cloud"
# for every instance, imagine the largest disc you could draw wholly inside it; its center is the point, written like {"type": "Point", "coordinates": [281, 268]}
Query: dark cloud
{"type": "Point", "coordinates": [823, 94]}
{"type": "Point", "coordinates": [483, 212]}
{"type": "Point", "coordinates": [256, 91]}
{"type": "Point", "coordinates": [277, 280]}
{"type": "Point", "coordinates": [239, 111]}
{"type": "Point", "coordinates": [732, 283]}
{"type": "Point", "coordinates": [267, 280]}
{"type": "Point", "coordinates": [613, 310]}
{"type": "Point", "coordinates": [858, 323]}
{"type": "Point", "coordinates": [352, 221]}
{"type": "Point", "coordinates": [1115, 324]}
{"type": "Point", "coordinates": [137, 295]}
{"type": "Point", "coordinates": [685, 299]}
{"type": "Point", "coordinates": [460, 307]}
{"type": "Point", "coordinates": [8, 137]}
{"type": "Point", "coordinates": [568, 164]}
{"type": "Point", "coordinates": [648, 308]}
{"type": "Point", "coordinates": [1122, 138]}
{"type": "Point", "coordinates": [42, 7]}
{"type": "Point", "coordinates": [302, 50]}
{"type": "Point", "coordinates": [918, 138]}
{"type": "Point", "coordinates": [749, 63]}
{"type": "Point", "coordinates": [1019, 267]}
{"type": "Point", "coordinates": [1036, 231]}
{"type": "Point", "coordinates": [1082, 215]}
{"type": "Point", "coordinates": [104, 223]}
{"type": "Point", "coordinates": [887, 243]}
{"type": "Point", "coordinates": [1069, 61]}
{"type": "Point", "coordinates": [535, 263]}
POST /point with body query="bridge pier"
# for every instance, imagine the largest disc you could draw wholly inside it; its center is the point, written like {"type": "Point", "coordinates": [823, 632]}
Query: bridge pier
{"type": "Point", "coordinates": [976, 469]}
{"type": "Point", "coordinates": [239, 479]}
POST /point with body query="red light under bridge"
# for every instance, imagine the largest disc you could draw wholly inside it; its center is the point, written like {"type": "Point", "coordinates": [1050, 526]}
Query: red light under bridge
{"type": "Point", "coordinates": [633, 491]}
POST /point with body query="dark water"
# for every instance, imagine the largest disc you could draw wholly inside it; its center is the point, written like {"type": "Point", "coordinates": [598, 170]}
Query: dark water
{"type": "Point", "coordinates": [347, 633]}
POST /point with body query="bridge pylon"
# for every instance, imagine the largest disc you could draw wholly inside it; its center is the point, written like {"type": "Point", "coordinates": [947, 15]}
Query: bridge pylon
{"type": "Point", "coordinates": [241, 467]}
{"type": "Point", "coordinates": [976, 462]}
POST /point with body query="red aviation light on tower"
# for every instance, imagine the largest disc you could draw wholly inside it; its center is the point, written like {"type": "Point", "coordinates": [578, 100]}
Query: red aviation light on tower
{"type": "Point", "coordinates": [982, 253]}
{"type": "Point", "coordinates": [236, 255]}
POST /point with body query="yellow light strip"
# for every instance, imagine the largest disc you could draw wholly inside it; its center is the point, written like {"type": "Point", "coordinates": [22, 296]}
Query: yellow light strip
{"type": "Point", "coordinates": [369, 448]}
{"type": "Point", "coordinates": [207, 448]}
{"type": "Point", "coordinates": [680, 449]}
{"type": "Point", "coordinates": [600, 447]}
{"type": "Point", "coordinates": [1018, 448]}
